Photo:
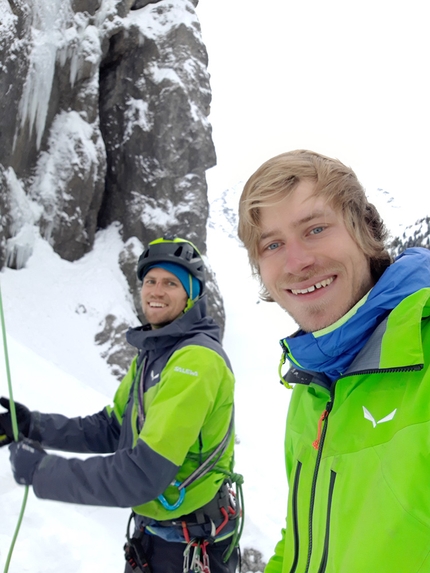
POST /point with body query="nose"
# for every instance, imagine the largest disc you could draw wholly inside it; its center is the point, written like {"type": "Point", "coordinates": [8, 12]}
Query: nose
{"type": "Point", "coordinates": [155, 288]}
{"type": "Point", "coordinates": [298, 257]}
{"type": "Point", "coordinates": [158, 288]}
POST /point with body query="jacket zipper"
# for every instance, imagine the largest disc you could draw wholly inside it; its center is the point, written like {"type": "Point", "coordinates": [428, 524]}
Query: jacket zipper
{"type": "Point", "coordinates": [315, 476]}
{"type": "Point", "coordinates": [138, 394]}
{"type": "Point", "coordinates": [324, 559]}
{"type": "Point", "coordinates": [413, 368]}
{"type": "Point", "coordinates": [295, 517]}
{"type": "Point", "coordinates": [323, 416]}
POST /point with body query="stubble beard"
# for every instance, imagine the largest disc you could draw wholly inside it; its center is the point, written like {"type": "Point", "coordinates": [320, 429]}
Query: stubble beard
{"type": "Point", "coordinates": [316, 317]}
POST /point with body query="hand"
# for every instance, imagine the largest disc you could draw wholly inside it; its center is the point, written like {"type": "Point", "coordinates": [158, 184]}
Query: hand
{"type": "Point", "coordinates": [23, 418]}
{"type": "Point", "coordinates": [24, 457]}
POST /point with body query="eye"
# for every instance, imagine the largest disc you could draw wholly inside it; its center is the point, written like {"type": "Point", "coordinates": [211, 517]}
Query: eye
{"type": "Point", "coordinates": [317, 230]}
{"type": "Point", "coordinates": [272, 246]}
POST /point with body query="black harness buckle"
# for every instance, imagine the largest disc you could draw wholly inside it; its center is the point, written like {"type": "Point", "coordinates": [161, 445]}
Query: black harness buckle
{"type": "Point", "coordinates": [135, 555]}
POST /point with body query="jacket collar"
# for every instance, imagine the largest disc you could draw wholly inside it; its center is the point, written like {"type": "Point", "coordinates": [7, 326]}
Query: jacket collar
{"type": "Point", "coordinates": [396, 343]}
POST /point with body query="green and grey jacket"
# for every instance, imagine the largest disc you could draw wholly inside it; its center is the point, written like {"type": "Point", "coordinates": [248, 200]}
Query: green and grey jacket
{"type": "Point", "coordinates": [171, 410]}
{"type": "Point", "coordinates": [358, 457]}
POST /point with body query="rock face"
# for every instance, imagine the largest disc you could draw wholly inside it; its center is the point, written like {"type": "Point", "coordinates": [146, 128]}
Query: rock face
{"type": "Point", "coordinates": [155, 77]}
{"type": "Point", "coordinates": [103, 119]}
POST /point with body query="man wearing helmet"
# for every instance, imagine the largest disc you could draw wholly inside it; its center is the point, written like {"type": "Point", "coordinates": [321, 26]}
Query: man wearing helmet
{"type": "Point", "coordinates": [169, 432]}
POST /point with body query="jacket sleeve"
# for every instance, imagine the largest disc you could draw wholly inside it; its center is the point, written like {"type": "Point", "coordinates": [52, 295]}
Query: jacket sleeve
{"type": "Point", "coordinates": [276, 561]}
{"type": "Point", "coordinates": [124, 479]}
{"type": "Point", "coordinates": [134, 476]}
{"type": "Point", "coordinates": [98, 433]}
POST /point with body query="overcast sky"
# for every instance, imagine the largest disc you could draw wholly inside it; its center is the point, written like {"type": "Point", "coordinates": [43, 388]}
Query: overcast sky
{"type": "Point", "coordinates": [347, 79]}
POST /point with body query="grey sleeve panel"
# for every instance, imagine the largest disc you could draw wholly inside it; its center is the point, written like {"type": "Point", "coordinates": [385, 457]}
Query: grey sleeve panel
{"type": "Point", "coordinates": [125, 479]}
{"type": "Point", "coordinates": [98, 433]}
{"type": "Point", "coordinates": [202, 339]}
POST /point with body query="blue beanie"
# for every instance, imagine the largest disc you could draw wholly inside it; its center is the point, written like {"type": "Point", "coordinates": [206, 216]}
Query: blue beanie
{"type": "Point", "coordinates": [192, 286]}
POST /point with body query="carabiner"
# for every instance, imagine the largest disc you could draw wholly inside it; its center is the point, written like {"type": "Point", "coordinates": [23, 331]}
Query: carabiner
{"type": "Point", "coordinates": [166, 504]}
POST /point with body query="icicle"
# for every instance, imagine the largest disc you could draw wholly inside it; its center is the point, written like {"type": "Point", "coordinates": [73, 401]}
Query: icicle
{"type": "Point", "coordinates": [49, 21]}
{"type": "Point", "coordinates": [20, 247]}
{"type": "Point", "coordinates": [24, 214]}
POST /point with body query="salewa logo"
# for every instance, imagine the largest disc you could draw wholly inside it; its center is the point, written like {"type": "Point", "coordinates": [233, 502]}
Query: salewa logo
{"type": "Point", "coordinates": [369, 416]}
{"type": "Point", "coordinates": [154, 376]}
{"type": "Point", "coordinates": [186, 371]}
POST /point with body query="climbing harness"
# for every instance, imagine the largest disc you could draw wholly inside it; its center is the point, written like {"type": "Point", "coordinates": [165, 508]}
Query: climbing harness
{"type": "Point", "coordinates": [227, 505]}
{"type": "Point", "coordinates": [199, 563]}
{"type": "Point", "coordinates": [134, 552]}
{"type": "Point", "coordinates": [15, 432]}
{"type": "Point", "coordinates": [230, 505]}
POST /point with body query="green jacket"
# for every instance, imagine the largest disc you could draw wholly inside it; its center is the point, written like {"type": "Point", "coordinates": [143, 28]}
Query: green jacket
{"type": "Point", "coordinates": [188, 408]}
{"type": "Point", "coordinates": [171, 410]}
{"type": "Point", "coordinates": [359, 498]}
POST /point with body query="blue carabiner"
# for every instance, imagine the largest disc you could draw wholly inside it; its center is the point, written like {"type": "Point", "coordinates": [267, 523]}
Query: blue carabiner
{"type": "Point", "coordinates": [179, 501]}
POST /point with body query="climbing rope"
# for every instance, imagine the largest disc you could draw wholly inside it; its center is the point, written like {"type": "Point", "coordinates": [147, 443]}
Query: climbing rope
{"type": "Point", "coordinates": [236, 479]}
{"type": "Point", "coordinates": [15, 431]}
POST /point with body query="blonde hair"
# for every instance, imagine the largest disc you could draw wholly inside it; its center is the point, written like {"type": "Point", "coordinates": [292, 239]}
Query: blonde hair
{"type": "Point", "coordinates": [334, 182]}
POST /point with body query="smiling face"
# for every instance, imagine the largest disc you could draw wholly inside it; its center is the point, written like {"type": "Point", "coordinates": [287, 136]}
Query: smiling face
{"type": "Point", "coordinates": [163, 297]}
{"type": "Point", "coordinates": [308, 261]}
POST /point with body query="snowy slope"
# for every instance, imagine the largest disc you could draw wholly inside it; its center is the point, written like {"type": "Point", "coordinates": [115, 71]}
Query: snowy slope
{"type": "Point", "coordinates": [52, 310]}
{"type": "Point", "coordinates": [54, 535]}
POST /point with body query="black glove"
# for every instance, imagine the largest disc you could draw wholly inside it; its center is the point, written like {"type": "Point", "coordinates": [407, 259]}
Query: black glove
{"type": "Point", "coordinates": [23, 418]}
{"type": "Point", "coordinates": [24, 457]}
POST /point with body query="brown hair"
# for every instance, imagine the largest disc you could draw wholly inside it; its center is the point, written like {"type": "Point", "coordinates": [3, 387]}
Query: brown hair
{"type": "Point", "coordinates": [334, 181]}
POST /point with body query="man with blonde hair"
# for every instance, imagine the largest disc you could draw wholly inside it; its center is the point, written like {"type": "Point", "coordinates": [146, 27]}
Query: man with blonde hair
{"type": "Point", "coordinates": [358, 426]}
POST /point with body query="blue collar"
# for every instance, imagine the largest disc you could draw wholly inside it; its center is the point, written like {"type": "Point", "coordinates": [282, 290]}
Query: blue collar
{"type": "Point", "coordinates": [332, 349]}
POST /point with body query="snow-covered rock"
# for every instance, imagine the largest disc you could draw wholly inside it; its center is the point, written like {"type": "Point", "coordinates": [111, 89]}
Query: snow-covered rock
{"type": "Point", "coordinates": [103, 116]}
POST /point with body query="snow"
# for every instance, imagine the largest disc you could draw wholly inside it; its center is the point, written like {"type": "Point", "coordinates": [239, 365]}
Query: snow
{"type": "Point", "coordinates": [74, 149]}
{"type": "Point", "coordinates": [157, 21]}
{"type": "Point", "coordinates": [54, 534]}
{"type": "Point", "coordinates": [82, 44]}
{"type": "Point", "coordinates": [7, 26]}
{"type": "Point", "coordinates": [24, 214]}
{"type": "Point", "coordinates": [20, 246]}
{"type": "Point", "coordinates": [160, 74]}
{"type": "Point", "coordinates": [154, 215]}
{"type": "Point", "coordinates": [55, 307]}
{"type": "Point", "coordinates": [137, 113]}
